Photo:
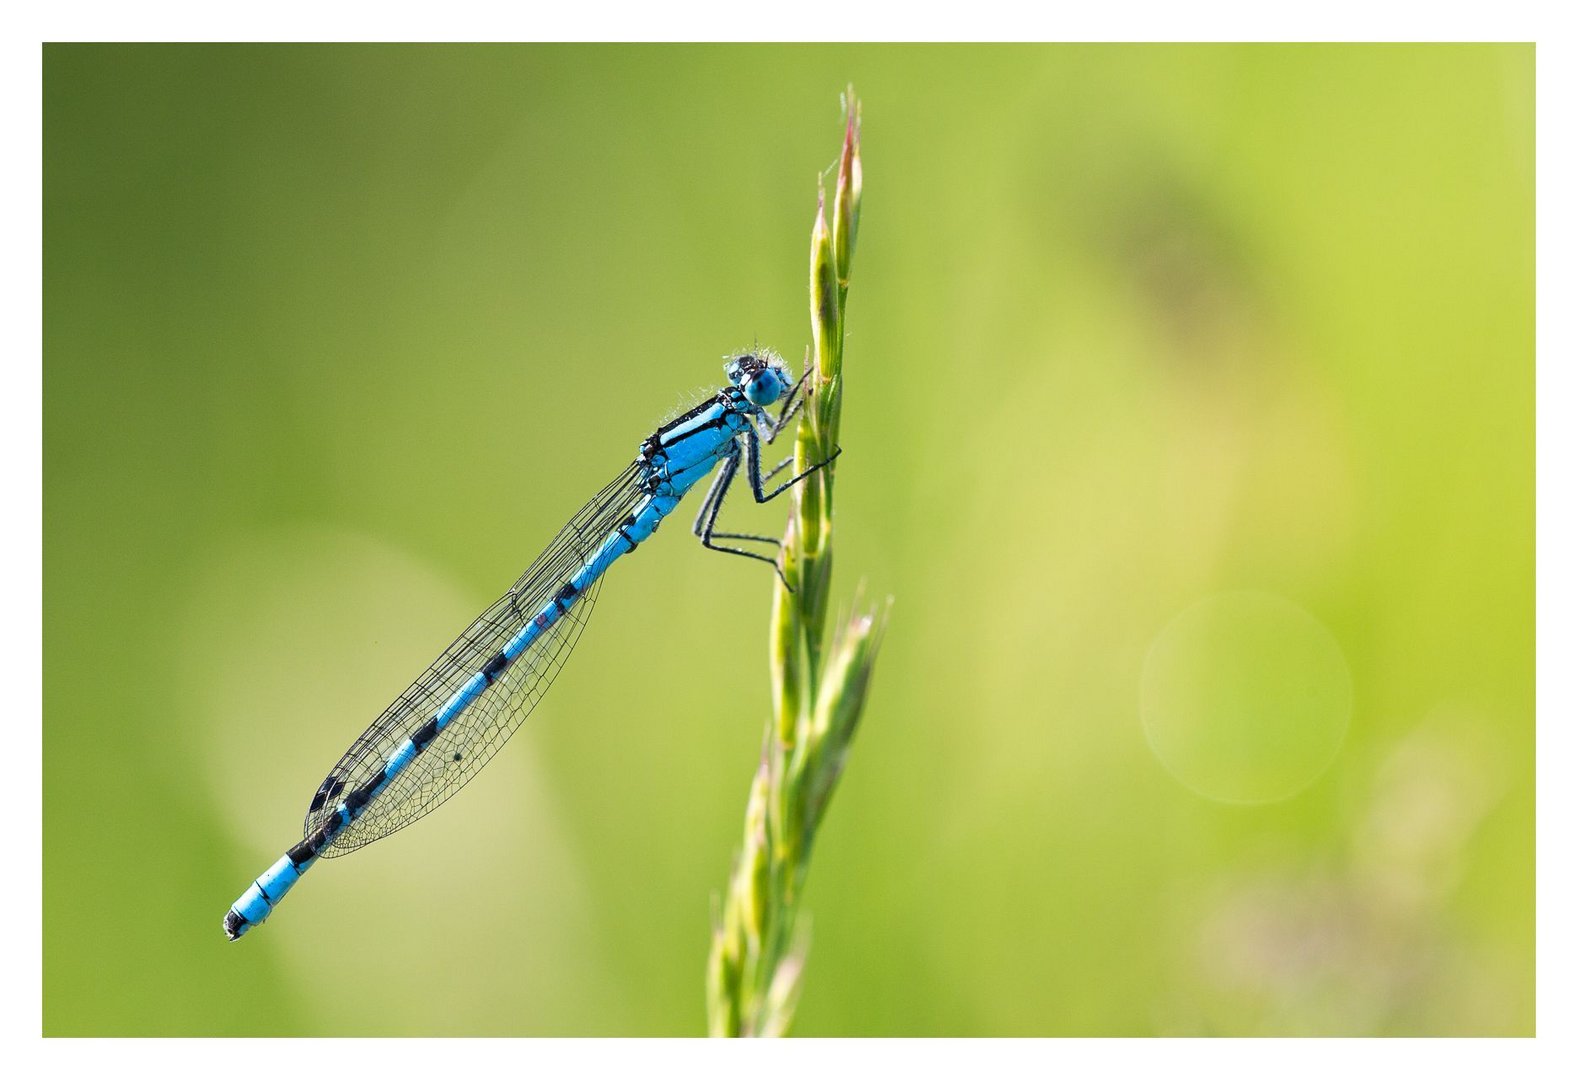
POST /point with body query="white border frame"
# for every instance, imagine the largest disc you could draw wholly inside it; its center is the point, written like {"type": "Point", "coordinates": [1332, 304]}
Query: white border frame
{"type": "Point", "coordinates": [20, 905]}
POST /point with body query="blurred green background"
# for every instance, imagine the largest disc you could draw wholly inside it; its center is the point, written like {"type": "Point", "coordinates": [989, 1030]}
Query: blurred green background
{"type": "Point", "coordinates": [1189, 419]}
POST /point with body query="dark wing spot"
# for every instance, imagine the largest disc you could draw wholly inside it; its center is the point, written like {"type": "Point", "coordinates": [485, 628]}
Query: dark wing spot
{"type": "Point", "coordinates": [326, 791]}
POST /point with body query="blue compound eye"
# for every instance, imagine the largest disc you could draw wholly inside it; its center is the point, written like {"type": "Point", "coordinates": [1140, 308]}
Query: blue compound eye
{"type": "Point", "coordinates": [764, 388]}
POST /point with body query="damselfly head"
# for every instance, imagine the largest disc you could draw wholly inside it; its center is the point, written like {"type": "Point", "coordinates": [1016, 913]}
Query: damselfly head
{"type": "Point", "coordinates": [761, 375]}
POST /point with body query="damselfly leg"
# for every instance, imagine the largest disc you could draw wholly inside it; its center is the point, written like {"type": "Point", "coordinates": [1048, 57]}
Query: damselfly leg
{"type": "Point", "coordinates": [706, 522]}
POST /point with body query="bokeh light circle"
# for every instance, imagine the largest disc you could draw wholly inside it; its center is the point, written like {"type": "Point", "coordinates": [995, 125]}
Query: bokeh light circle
{"type": "Point", "coordinates": [1245, 697]}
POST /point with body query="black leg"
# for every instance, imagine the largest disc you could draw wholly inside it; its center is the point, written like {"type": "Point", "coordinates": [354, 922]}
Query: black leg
{"type": "Point", "coordinates": [791, 407]}
{"type": "Point", "coordinates": [720, 484]}
{"type": "Point", "coordinates": [708, 518]}
{"type": "Point", "coordinates": [747, 536]}
{"type": "Point", "coordinates": [778, 468]}
{"type": "Point", "coordinates": [706, 522]}
{"type": "Point", "coordinates": [784, 417]}
{"type": "Point", "coordinates": [754, 462]}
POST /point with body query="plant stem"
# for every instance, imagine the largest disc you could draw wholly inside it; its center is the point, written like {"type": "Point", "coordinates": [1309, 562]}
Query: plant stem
{"type": "Point", "coordinates": [760, 937]}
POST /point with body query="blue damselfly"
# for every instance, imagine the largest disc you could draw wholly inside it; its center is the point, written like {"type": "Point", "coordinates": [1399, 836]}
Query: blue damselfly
{"type": "Point", "coordinates": [453, 719]}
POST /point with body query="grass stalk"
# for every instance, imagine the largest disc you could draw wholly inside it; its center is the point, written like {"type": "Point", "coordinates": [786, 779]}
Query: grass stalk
{"type": "Point", "coordinates": [819, 685]}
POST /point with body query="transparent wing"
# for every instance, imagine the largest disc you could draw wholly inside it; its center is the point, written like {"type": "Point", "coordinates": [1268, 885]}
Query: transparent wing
{"type": "Point", "coordinates": [474, 736]}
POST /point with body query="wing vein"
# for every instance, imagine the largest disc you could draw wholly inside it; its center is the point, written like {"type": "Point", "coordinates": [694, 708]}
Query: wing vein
{"type": "Point", "coordinates": [467, 743]}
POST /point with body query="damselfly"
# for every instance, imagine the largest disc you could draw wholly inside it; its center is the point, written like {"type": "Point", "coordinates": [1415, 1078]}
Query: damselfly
{"type": "Point", "coordinates": [453, 719]}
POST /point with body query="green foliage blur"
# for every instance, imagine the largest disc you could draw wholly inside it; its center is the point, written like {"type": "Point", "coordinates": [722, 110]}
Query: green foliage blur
{"type": "Point", "coordinates": [336, 338]}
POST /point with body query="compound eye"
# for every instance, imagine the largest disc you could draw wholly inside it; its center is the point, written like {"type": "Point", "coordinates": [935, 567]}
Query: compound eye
{"type": "Point", "coordinates": [762, 389]}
